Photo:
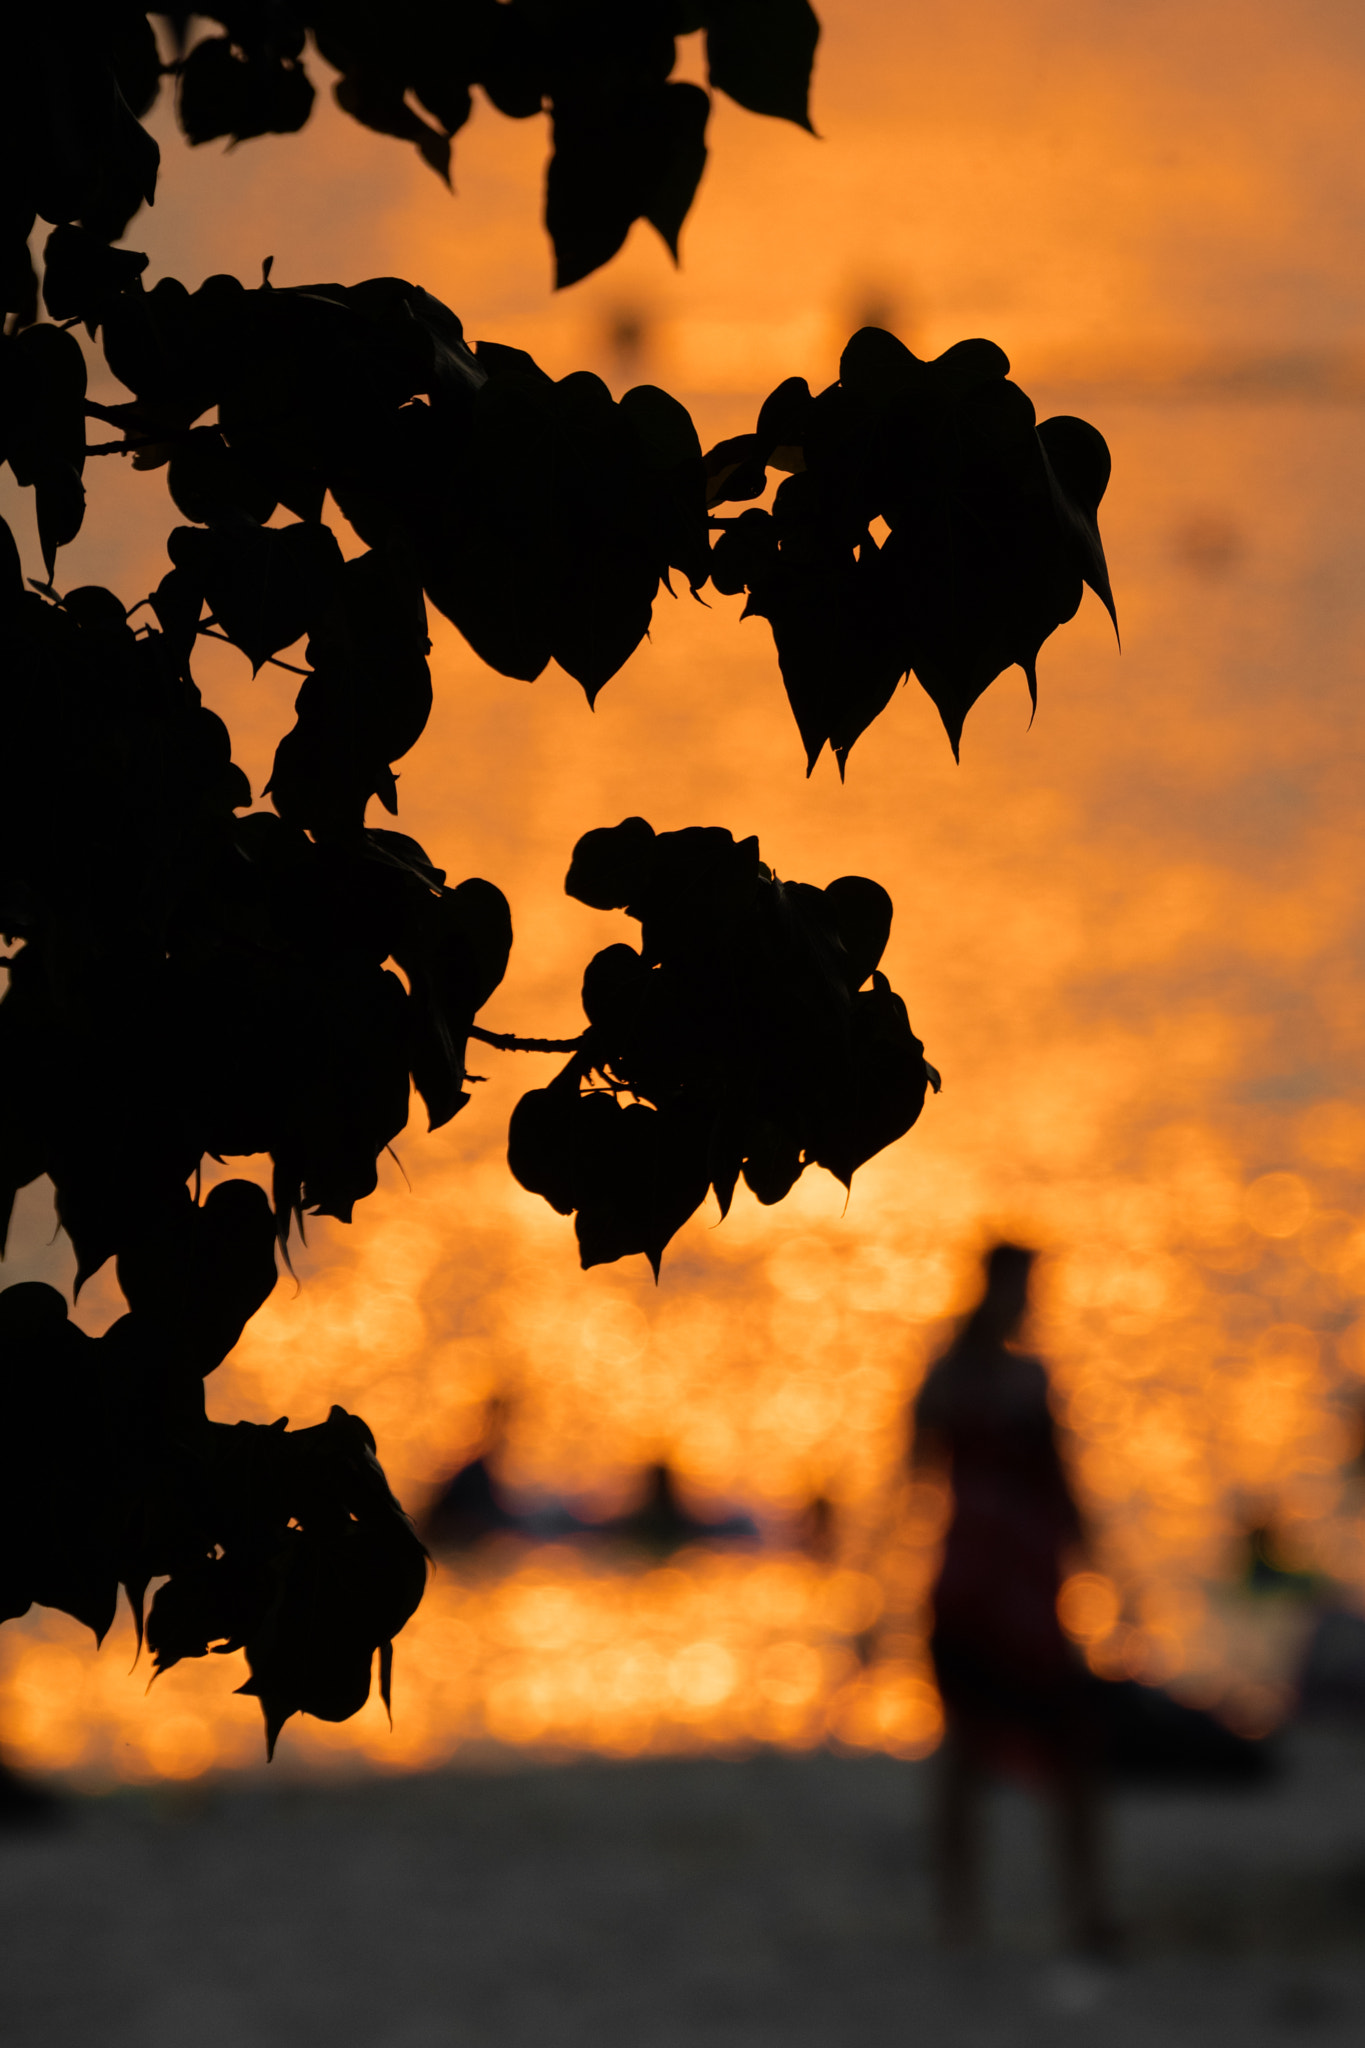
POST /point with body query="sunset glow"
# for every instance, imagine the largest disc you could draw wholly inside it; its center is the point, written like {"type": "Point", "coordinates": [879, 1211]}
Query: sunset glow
{"type": "Point", "coordinates": [1130, 936]}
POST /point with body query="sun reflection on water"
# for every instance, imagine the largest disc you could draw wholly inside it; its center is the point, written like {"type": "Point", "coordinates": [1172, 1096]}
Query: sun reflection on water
{"type": "Point", "coordinates": [1207, 1342]}
{"type": "Point", "coordinates": [543, 1650]}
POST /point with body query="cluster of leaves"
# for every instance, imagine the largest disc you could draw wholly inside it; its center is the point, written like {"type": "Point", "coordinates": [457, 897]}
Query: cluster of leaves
{"type": "Point", "coordinates": [742, 1028]}
{"type": "Point", "coordinates": [629, 142]}
{"type": "Point", "coordinates": [81, 75]}
{"type": "Point", "coordinates": [193, 982]}
{"type": "Point", "coordinates": [289, 1546]}
{"type": "Point", "coordinates": [196, 982]}
{"type": "Point", "coordinates": [991, 532]}
{"type": "Point", "coordinates": [189, 982]}
{"type": "Point", "coordinates": [541, 517]}
{"type": "Point", "coordinates": [370, 392]}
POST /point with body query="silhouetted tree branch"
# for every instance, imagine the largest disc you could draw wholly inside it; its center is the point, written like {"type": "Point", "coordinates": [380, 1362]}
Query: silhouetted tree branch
{"type": "Point", "coordinates": [199, 978]}
{"type": "Point", "coordinates": [508, 1041]}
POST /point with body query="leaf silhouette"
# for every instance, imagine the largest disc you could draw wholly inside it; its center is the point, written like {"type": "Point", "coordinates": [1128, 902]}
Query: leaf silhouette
{"type": "Point", "coordinates": [761, 53]}
{"type": "Point", "coordinates": [213, 485]}
{"type": "Point", "coordinates": [55, 1521]}
{"type": "Point", "coordinates": [198, 1275]}
{"type": "Point", "coordinates": [241, 92]}
{"type": "Point", "coordinates": [990, 539]}
{"type": "Point", "coordinates": [377, 102]}
{"type": "Point", "coordinates": [263, 585]}
{"type": "Point", "coordinates": [82, 275]}
{"type": "Point", "coordinates": [738, 1029]}
{"type": "Point", "coordinates": [42, 428]}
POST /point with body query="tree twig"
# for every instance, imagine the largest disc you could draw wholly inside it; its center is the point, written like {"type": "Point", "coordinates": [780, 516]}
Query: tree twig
{"type": "Point", "coordinates": [507, 1041]}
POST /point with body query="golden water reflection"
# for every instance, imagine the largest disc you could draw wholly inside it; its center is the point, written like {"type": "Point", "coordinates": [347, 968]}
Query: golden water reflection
{"type": "Point", "coordinates": [549, 1652]}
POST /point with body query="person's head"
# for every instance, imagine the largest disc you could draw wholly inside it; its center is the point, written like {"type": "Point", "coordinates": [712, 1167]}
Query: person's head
{"type": "Point", "coordinates": [498, 1410]}
{"type": "Point", "coordinates": [1007, 1268]}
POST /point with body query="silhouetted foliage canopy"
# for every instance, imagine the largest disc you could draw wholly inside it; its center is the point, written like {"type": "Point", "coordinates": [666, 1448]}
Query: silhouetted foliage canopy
{"type": "Point", "coordinates": [288, 1545]}
{"type": "Point", "coordinates": [194, 978]}
{"type": "Point", "coordinates": [628, 139]}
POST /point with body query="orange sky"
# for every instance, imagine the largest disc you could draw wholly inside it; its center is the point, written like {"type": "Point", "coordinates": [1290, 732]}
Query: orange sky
{"type": "Point", "coordinates": [1129, 937]}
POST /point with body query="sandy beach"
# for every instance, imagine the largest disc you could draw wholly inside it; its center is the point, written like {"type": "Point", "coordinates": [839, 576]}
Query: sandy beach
{"type": "Point", "coordinates": [762, 1902]}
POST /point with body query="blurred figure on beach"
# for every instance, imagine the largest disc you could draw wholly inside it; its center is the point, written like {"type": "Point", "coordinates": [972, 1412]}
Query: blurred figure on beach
{"type": "Point", "coordinates": [817, 1531]}
{"type": "Point", "coordinates": [661, 1522]}
{"type": "Point", "coordinates": [474, 1509]}
{"type": "Point", "coordinates": [1017, 1699]}
{"type": "Point", "coordinates": [472, 1506]}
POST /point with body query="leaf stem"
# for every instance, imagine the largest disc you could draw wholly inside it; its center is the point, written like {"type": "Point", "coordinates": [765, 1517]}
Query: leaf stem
{"type": "Point", "coordinates": [271, 660]}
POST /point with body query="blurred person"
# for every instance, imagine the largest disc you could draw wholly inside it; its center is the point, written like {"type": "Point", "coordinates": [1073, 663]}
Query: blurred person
{"type": "Point", "coordinates": [1266, 1570]}
{"type": "Point", "coordinates": [661, 1522]}
{"type": "Point", "coordinates": [1017, 1698]}
{"type": "Point", "coordinates": [472, 1506]}
{"type": "Point", "coordinates": [818, 1531]}
{"type": "Point", "coordinates": [23, 1802]}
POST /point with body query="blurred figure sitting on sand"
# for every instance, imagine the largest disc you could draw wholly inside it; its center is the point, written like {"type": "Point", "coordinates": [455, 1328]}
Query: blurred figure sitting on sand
{"type": "Point", "coordinates": [661, 1522]}
{"type": "Point", "coordinates": [472, 1506]}
{"type": "Point", "coordinates": [1016, 1696]}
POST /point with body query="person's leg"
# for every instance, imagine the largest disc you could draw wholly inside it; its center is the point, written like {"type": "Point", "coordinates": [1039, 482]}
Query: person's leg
{"type": "Point", "coordinates": [1079, 1819]}
{"type": "Point", "coordinates": [957, 1845]}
